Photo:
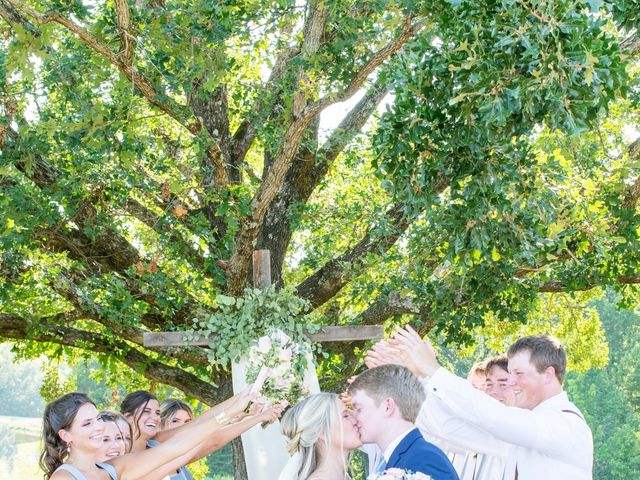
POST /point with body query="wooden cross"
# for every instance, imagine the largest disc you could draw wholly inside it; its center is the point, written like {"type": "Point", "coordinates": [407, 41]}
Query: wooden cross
{"type": "Point", "coordinates": [262, 279]}
{"type": "Point", "coordinates": [267, 443]}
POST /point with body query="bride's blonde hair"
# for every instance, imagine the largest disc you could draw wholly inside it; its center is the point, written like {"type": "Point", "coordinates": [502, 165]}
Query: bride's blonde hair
{"type": "Point", "coordinates": [315, 417]}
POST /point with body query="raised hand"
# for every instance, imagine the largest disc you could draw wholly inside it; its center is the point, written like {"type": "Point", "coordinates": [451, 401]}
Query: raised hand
{"type": "Point", "coordinates": [345, 396]}
{"type": "Point", "coordinates": [382, 353]}
{"type": "Point", "coordinates": [271, 414]}
{"type": "Point", "coordinates": [240, 402]}
{"type": "Point", "coordinates": [417, 355]}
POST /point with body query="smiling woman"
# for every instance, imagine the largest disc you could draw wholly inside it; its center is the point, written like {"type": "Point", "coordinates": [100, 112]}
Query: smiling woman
{"type": "Point", "coordinates": [142, 410]}
{"type": "Point", "coordinates": [74, 437]}
{"type": "Point", "coordinates": [113, 438]}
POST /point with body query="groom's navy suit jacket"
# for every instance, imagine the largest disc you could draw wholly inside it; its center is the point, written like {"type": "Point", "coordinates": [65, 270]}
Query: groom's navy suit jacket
{"type": "Point", "coordinates": [416, 454]}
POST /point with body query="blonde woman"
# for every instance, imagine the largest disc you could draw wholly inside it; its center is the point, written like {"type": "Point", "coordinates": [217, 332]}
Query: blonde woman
{"type": "Point", "coordinates": [174, 413]}
{"type": "Point", "coordinates": [322, 433]}
{"type": "Point", "coordinates": [113, 443]}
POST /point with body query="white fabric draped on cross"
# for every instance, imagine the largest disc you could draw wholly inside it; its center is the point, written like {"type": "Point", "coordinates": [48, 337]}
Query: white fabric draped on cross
{"type": "Point", "coordinates": [265, 449]}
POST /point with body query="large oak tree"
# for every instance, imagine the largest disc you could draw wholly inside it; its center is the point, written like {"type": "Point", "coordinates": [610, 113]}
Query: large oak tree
{"type": "Point", "coordinates": [148, 147]}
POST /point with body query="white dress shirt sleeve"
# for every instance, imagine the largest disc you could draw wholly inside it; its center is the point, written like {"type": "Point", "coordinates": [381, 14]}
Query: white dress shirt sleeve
{"type": "Point", "coordinates": [455, 434]}
{"type": "Point", "coordinates": [546, 430]}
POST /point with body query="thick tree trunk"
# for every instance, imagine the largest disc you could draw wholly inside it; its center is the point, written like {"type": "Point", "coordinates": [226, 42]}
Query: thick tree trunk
{"type": "Point", "coordinates": [303, 176]}
{"type": "Point", "coordinates": [239, 465]}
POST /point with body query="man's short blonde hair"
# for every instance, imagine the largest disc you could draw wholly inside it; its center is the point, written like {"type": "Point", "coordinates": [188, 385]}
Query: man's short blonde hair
{"type": "Point", "coordinates": [392, 381]}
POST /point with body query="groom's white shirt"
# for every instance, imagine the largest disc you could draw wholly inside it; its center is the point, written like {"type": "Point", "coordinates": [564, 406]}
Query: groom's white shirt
{"type": "Point", "coordinates": [550, 442]}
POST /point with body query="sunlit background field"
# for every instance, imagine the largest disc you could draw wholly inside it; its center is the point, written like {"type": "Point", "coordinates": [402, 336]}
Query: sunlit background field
{"type": "Point", "coordinates": [25, 432]}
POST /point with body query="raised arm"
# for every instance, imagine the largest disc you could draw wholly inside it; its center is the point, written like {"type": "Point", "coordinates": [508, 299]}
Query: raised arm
{"type": "Point", "coordinates": [436, 419]}
{"type": "Point", "coordinates": [173, 453]}
{"type": "Point", "coordinates": [223, 436]}
{"type": "Point", "coordinates": [220, 438]}
{"type": "Point", "coordinates": [164, 435]}
{"type": "Point", "coordinates": [546, 430]}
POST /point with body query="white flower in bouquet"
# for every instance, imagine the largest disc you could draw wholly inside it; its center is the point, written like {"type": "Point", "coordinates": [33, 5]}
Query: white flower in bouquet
{"type": "Point", "coordinates": [264, 344]}
{"type": "Point", "coordinates": [277, 365]}
{"type": "Point", "coordinates": [285, 354]}
{"type": "Point", "coordinates": [399, 474]}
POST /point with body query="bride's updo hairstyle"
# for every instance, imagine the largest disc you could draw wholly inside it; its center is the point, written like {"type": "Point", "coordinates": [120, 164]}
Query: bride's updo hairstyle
{"type": "Point", "coordinates": [308, 423]}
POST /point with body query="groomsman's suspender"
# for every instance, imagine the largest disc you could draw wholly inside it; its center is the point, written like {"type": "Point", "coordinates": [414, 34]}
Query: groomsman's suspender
{"type": "Point", "coordinates": [575, 413]}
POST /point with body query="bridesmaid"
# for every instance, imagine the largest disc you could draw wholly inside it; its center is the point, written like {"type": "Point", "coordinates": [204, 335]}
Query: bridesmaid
{"type": "Point", "coordinates": [174, 413]}
{"type": "Point", "coordinates": [142, 410]}
{"type": "Point", "coordinates": [113, 444]}
{"type": "Point", "coordinates": [73, 438]}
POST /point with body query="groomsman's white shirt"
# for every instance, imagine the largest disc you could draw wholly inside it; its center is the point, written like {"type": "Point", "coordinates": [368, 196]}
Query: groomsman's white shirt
{"type": "Point", "coordinates": [550, 442]}
{"type": "Point", "coordinates": [460, 441]}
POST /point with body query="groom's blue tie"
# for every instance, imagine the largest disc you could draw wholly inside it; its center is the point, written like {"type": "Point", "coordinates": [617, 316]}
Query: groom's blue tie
{"type": "Point", "coordinates": [381, 466]}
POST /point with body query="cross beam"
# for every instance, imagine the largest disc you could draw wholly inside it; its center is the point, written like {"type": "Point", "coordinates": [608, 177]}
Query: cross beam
{"type": "Point", "coordinates": [262, 279]}
{"type": "Point", "coordinates": [325, 334]}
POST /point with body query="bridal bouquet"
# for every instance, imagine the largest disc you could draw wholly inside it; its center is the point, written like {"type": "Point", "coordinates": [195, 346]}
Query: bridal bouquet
{"type": "Point", "coordinates": [399, 474]}
{"type": "Point", "coordinates": [276, 367]}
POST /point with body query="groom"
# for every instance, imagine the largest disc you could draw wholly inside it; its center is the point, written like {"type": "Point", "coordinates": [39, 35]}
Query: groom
{"type": "Point", "coordinates": [386, 401]}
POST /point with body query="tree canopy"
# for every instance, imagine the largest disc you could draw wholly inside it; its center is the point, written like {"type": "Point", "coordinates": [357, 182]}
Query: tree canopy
{"type": "Point", "coordinates": [148, 147]}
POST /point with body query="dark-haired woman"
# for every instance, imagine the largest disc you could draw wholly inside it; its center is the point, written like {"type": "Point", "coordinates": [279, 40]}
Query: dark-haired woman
{"type": "Point", "coordinates": [73, 439]}
{"type": "Point", "coordinates": [142, 410]}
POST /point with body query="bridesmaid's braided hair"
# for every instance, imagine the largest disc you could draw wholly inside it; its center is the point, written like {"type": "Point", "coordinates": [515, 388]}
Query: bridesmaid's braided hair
{"type": "Point", "coordinates": [58, 415]}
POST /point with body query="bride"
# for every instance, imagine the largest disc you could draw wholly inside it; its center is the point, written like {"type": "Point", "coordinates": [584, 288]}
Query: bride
{"type": "Point", "coordinates": [322, 433]}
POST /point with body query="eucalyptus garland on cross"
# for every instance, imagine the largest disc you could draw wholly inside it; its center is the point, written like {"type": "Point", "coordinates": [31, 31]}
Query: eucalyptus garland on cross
{"type": "Point", "coordinates": [270, 328]}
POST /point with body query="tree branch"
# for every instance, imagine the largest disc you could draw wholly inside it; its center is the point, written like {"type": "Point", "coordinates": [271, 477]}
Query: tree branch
{"type": "Point", "coordinates": [48, 330]}
{"type": "Point", "coordinates": [108, 251]}
{"type": "Point", "coordinates": [249, 227]}
{"type": "Point", "coordinates": [127, 40]}
{"type": "Point", "coordinates": [631, 194]}
{"type": "Point", "coordinates": [12, 16]}
{"type": "Point", "coordinates": [407, 33]}
{"type": "Point", "coordinates": [352, 123]}
{"type": "Point", "coordinates": [245, 134]}
{"type": "Point", "coordinates": [325, 282]}
{"type": "Point", "coordinates": [176, 111]}
{"type": "Point", "coordinates": [314, 27]}
{"type": "Point", "coordinates": [154, 222]}
{"type": "Point", "coordinates": [211, 110]}
{"type": "Point", "coordinates": [386, 306]}
{"type": "Point", "coordinates": [631, 43]}
{"type": "Point", "coordinates": [306, 172]}
{"type": "Point", "coordinates": [556, 286]}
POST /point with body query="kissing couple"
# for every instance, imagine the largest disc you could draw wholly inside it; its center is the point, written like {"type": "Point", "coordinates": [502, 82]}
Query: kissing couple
{"type": "Point", "coordinates": [385, 402]}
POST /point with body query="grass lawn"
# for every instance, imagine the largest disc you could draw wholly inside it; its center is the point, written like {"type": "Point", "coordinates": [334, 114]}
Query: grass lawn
{"type": "Point", "coordinates": [27, 433]}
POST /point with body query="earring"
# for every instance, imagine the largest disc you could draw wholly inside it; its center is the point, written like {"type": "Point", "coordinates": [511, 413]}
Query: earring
{"type": "Point", "coordinates": [69, 447]}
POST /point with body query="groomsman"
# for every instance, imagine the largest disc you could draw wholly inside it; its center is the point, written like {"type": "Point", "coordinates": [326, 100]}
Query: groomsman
{"type": "Point", "coordinates": [440, 424]}
{"type": "Point", "coordinates": [545, 438]}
